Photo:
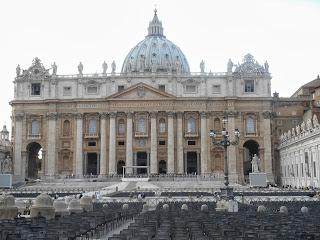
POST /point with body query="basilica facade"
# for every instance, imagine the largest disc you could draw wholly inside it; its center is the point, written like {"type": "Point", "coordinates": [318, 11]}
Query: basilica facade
{"type": "Point", "coordinates": [154, 113]}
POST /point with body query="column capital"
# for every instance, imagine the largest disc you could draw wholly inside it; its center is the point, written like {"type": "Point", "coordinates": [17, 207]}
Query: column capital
{"type": "Point", "coordinates": [19, 116]}
{"type": "Point", "coordinates": [170, 114]}
{"type": "Point", "coordinates": [179, 114]}
{"type": "Point", "coordinates": [266, 114]}
{"type": "Point", "coordinates": [204, 114]}
{"type": "Point", "coordinates": [153, 114]}
{"type": "Point", "coordinates": [52, 116]}
{"type": "Point", "coordinates": [78, 115]}
{"type": "Point", "coordinates": [103, 115]}
{"type": "Point", "coordinates": [112, 114]}
{"type": "Point", "coordinates": [231, 113]}
{"type": "Point", "coordinates": [129, 114]}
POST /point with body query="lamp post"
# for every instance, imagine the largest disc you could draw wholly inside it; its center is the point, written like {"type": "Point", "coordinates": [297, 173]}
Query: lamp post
{"type": "Point", "coordinates": [226, 191]}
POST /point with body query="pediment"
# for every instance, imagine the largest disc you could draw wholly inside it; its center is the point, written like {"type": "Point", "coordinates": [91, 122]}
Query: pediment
{"type": "Point", "coordinates": [141, 91]}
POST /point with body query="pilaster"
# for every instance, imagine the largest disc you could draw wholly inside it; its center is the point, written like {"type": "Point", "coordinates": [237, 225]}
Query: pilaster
{"type": "Point", "coordinates": [170, 142]}
{"type": "Point", "coordinates": [79, 141]}
{"type": "Point", "coordinates": [129, 143]}
{"type": "Point", "coordinates": [153, 148]}
{"type": "Point", "coordinates": [179, 143]}
{"type": "Point", "coordinates": [103, 147]}
{"type": "Point", "coordinates": [51, 148]}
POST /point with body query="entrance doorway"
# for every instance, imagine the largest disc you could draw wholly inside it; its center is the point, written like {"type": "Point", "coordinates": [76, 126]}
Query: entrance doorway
{"type": "Point", "coordinates": [92, 167]}
{"type": "Point", "coordinates": [250, 148]}
{"type": "Point", "coordinates": [142, 160]}
{"type": "Point", "coordinates": [162, 167]}
{"type": "Point", "coordinates": [34, 160]}
{"type": "Point", "coordinates": [120, 164]}
{"type": "Point", "coordinates": [192, 163]}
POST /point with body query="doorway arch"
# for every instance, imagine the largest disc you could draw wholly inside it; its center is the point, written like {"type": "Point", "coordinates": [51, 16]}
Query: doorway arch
{"type": "Point", "coordinates": [250, 148]}
{"type": "Point", "coordinates": [34, 160]}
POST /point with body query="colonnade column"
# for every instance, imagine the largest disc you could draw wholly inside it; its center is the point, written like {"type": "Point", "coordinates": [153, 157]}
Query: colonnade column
{"type": "Point", "coordinates": [79, 147]}
{"type": "Point", "coordinates": [170, 143]}
{"type": "Point", "coordinates": [103, 147]}
{"type": "Point", "coordinates": [18, 147]}
{"type": "Point", "coordinates": [112, 143]}
{"type": "Point", "coordinates": [179, 143]}
{"type": "Point", "coordinates": [204, 134]}
{"type": "Point", "coordinates": [51, 149]}
{"type": "Point", "coordinates": [154, 147]}
{"type": "Point", "coordinates": [267, 145]}
{"type": "Point", "coordinates": [129, 143]}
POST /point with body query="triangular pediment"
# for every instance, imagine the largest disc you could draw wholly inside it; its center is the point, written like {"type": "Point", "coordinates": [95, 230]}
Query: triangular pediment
{"type": "Point", "coordinates": [141, 91]}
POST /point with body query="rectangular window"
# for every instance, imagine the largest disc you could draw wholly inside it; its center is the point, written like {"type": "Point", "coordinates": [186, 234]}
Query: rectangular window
{"type": "Point", "coordinates": [121, 143]}
{"type": "Point", "coordinates": [162, 88]}
{"type": "Point", "coordinates": [92, 90]}
{"type": "Point", "coordinates": [35, 89]}
{"type": "Point", "coordinates": [279, 113]}
{"type": "Point", "coordinates": [318, 93]}
{"type": "Point", "coordinates": [120, 88]}
{"type": "Point", "coordinates": [92, 144]}
{"type": "Point", "coordinates": [318, 103]}
{"type": "Point", "coordinates": [67, 91]}
{"type": "Point", "coordinates": [162, 143]}
{"type": "Point", "coordinates": [249, 86]}
{"type": "Point", "coordinates": [191, 89]}
{"type": "Point", "coordinates": [294, 122]}
{"type": "Point", "coordinates": [294, 113]}
{"type": "Point", "coordinates": [191, 143]}
{"type": "Point", "coordinates": [279, 132]}
{"type": "Point", "coordinates": [216, 89]}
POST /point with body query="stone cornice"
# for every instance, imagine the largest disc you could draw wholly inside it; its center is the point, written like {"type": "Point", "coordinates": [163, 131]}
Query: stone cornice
{"type": "Point", "coordinates": [129, 114]}
{"type": "Point", "coordinates": [19, 116]}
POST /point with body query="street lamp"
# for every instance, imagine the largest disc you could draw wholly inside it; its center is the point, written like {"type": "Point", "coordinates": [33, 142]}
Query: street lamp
{"type": "Point", "coordinates": [226, 191]}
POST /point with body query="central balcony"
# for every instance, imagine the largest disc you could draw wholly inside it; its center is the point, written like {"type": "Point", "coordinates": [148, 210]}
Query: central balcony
{"type": "Point", "coordinates": [141, 134]}
{"type": "Point", "coordinates": [91, 135]}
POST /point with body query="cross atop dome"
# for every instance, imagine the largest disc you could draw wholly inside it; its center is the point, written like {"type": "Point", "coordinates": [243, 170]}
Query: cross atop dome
{"type": "Point", "coordinates": [155, 25]}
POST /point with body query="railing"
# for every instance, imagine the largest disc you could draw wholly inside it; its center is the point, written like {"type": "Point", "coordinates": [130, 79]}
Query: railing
{"type": "Point", "coordinates": [191, 134]}
{"type": "Point", "coordinates": [141, 134]}
{"type": "Point", "coordinates": [91, 135]}
{"type": "Point", "coordinates": [33, 136]}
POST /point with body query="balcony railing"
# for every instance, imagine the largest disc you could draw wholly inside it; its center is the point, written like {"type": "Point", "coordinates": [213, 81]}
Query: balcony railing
{"type": "Point", "coordinates": [33, 136]}
{"type": "Point", "coordinates": [141, 134]}
{"type": "Point", "coordinates": [91, 135]}
{"type": "Point", "coordinates": [191, 134]}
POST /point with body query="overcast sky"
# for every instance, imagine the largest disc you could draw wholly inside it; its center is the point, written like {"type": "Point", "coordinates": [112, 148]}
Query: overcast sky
{"type": "Point", "coordinates": [286, 33]}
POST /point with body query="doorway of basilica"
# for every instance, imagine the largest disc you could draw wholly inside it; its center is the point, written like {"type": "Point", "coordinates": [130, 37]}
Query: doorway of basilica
{"type": "Point", "coordinates": [142, 160]}
{"type": "Point", "coordinates": [192, 162]}
{"type": "Point", "coordinates": [92, 167]}
{"type": "Point", "coordinates": [250, 148]}
{"type": "Point", "coordinates": [33, 160]}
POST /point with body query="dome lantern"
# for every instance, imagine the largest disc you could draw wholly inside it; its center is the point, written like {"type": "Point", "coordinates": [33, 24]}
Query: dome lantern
{"type": "Point", "coordinates": [155, 26]}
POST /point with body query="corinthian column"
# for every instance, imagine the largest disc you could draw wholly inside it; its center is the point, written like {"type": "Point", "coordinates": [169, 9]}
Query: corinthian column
{"type": "Point", "coordinates": [180, 142]}
{"type": "Point", "coordinates": [232, 157]}
{"type": "Point", "coordinates": [112, 143]}
{"type": "Point", "coordinates": [267, 145]}
{"type": "Point", "coordinates": [170, 142]}
{"type": "Point", "coordinates": [204, 134]}
{"type": "Point", "coordinates": [18, 147]}
{"type": "Point", "coordinates": [154, 149]}
{"type": "Point", "coordinates": [51, 149]}
{"type": "Point", "coordinates": [103, 147]}
{"type": "Point", "coordinates": [129, 155]}
{"type": "Point", "coordinates": [79, 151]}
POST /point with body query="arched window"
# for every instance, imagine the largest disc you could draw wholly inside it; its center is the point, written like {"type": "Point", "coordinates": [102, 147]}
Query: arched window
{"type": "Point", "coordinates": [34, 127]}
{"type": "Point", "coordinates": [191, 125]}
{"type": "Point", "coordinates": [93, 126]}
{"type": "Point", "coordinates": [216, 124]}
{"type": "Point", "coordinates": [142, 126]}
{"type": "Point", "coordinates": [121, 127]}
{"type": "Point", "coordinates": [250, 125]}
{"type": "Point", "coordinates": [66, 128]}
{"type": "Point", "coordinates": [162, 125]}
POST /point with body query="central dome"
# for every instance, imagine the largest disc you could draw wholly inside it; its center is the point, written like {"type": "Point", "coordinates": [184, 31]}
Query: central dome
{"type": "Point", "coordinates": [155, 53]}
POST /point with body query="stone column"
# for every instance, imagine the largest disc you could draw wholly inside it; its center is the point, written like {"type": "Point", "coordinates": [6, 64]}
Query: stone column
{"type": "Point", "coordinates": [79, 147]}
{"type": "Point", "coordinates": [204, 135]}
{"type": "Point", "coordinates": [135, 162]}
{"type": "Point", "coordinates": [170, 143]}
{"type": "Point", "coordinates": [51, 149]}
{"type": "Point", "coordinates": [98, 163]}
{"type": "Point", "coordinates": [185, 162]}
{"type": "Point", "coordinates": [103, 147]}
{"type": "Point", "coordinates": [129, 143]}
{"type": "Point", "coordinates": [85, 171]}
{"type": "Point", "coordinates": [180, 142]}
{"type": "Point", "coordinates": [154, 145]}
{"type": "Point", "coordinates": [232, 156]}
{"type": "Point", "coordinates": [267, 145]}
{"type": "Point", "coordinates": [18, 174]}
{"type": "Point", "coordinates": [112, 143]}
